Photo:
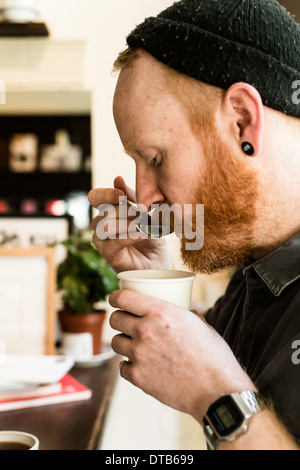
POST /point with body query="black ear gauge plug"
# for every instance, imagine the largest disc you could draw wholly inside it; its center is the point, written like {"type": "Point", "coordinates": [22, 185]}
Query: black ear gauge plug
{"type": "Point", "coordinates": [248, 148]}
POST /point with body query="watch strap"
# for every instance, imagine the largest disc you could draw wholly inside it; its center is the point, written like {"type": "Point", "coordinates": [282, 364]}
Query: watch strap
{"type": "Point", "coordinates": [249, 404]}
{"type": "Point", "coordinates": [250, 399]}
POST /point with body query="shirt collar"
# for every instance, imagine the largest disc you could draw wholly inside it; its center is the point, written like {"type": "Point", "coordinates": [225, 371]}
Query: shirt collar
{"type": "Point", "coordinates": [280, 268]}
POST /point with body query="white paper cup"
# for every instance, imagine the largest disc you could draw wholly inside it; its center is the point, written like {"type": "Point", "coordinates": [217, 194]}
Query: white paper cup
{"type": "Point", "coordinates": [171, 286]}
{"type": "Point", "coordinates": [18, 437]}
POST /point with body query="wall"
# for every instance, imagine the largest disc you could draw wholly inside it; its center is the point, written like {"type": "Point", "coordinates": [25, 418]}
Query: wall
{"type": "Point", "coordinates": [293, 6]}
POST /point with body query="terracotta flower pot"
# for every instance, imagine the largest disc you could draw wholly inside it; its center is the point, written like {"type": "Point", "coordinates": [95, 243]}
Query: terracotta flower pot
{"type": "Point", "coordinates": [88, 323]}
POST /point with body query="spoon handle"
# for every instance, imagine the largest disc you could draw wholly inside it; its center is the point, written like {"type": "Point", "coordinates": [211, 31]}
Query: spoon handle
{"type": "Point", "coordinates": [150, 229]}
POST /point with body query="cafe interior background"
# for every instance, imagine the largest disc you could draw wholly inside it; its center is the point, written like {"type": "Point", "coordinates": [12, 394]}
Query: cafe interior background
{"type": "Point", "coordinates": [58, 92]}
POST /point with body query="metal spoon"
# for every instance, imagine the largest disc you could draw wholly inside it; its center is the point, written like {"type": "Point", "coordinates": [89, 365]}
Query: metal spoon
{"type": "Point", "coordinates": [147, 226]}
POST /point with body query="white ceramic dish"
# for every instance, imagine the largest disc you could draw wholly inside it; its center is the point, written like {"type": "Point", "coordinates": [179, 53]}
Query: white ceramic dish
{"type": "Point", "coordinates": [34, 369]}
{"type": "Point", "coordinates": [19, 15]}
{"type": "Point", "coordinates": [97, 360]}
{"type": "Point", "coordinates": [19, 11]}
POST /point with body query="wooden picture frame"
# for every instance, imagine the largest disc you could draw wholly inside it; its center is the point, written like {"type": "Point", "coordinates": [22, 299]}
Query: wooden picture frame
{"type": "Point", "coordinates": [35, 231]}
{"type": "Point", "coordinates": [27, 300]}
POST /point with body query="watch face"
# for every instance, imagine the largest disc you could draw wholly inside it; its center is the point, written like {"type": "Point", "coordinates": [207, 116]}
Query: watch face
{"type": "Point", "coordinates": [225, 416]}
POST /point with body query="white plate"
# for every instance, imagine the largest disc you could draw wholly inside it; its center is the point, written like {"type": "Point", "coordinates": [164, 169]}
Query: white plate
{"type": "Point", "coordinates": [34, 369]}
{"type": "Point", "coordinates": [97, 360]}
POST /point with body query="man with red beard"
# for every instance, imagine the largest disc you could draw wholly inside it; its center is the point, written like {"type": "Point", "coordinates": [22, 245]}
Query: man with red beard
{"type": "Point", "coordinates": [204, 105]}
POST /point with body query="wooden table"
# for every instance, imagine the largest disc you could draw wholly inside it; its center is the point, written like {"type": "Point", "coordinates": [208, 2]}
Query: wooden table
{"type": "Point", "coordinates": [70, 426]}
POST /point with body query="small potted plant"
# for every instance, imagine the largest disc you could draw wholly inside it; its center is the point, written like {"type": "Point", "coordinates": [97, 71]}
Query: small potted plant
{"type": "Point", "coordinates": [84, 279]}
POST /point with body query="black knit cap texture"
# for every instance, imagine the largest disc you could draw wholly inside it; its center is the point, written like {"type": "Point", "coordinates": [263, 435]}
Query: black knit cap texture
{"type": "Point", "coordinates": [222, 42]}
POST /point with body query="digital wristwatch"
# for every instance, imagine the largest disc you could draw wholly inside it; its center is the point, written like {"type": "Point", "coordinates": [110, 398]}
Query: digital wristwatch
{"type": "Point", "coordinates": [229, 416]}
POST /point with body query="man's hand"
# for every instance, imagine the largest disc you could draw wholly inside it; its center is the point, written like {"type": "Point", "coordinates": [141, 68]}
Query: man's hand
{"type": "Point", "coordinates": [126, 254]}
{"type": "Point", "coordinates": [172, 354]}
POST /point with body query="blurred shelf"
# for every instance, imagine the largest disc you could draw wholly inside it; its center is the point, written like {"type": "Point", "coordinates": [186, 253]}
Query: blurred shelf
{"type": "Point", "coordinates": [33, 64]}
{"type": "Point", "coordinates": [39, 185]}
{"type": "Point", "coordinates": [47, 103]}
{"type": "Point", "coordinates": [8, 29]}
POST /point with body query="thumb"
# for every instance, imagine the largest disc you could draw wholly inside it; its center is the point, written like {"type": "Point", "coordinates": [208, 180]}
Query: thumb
{"type": "Point", "coordinates": [119, 183]}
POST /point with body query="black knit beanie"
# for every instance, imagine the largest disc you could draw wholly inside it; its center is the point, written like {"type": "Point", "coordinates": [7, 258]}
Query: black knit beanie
{"type": "Point", "coordinates": [222, 42]}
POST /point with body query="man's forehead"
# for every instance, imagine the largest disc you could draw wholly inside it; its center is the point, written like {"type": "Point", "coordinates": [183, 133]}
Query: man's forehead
{"type": "Point", "coordinates": [144, 74]}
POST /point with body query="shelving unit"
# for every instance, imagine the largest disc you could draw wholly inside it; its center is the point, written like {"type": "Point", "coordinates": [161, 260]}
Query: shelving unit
{"type": "Point", "coordinates": [48, 93]}
{"type": "Point", "coordinates": [39, 185]}
{"type": "Point", "coordinates": [42, 185]}
{"type": "Point", "coordinates": [9, 29]}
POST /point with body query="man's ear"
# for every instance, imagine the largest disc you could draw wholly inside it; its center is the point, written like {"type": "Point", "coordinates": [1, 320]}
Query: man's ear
{"type": "Point", "coordinates": [242, 106]}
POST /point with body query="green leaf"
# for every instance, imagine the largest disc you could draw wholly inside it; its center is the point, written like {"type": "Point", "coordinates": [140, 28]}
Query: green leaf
{"type": "Point", "coordinates": [84, 276]}
{"type": "Point", "coordinates": [75, 293]}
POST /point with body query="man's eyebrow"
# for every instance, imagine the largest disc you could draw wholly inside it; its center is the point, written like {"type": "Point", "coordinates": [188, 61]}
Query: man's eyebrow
{"type": "Point", "coordinates": [132, 146]}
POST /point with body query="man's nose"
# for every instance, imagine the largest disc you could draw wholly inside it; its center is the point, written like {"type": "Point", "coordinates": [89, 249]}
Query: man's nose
{"type": "Point", "coordinates": [147, 189]}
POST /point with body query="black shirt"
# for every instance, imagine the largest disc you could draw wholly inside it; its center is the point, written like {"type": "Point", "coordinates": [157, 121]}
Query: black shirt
{"type": "Point", "coordinates": [259, 317]}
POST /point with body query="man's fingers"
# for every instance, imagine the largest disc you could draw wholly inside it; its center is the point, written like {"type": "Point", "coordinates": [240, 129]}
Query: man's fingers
{"type": "Point", "coordinates": [95, 222]}
{"type": "Point", "coordinates": [135, 303]}
{"type": "Point", "coordinates": [123, 230]}
{"type": "Point", "coordinates": [114, 222]}
{"type": "Point", "coordinates": [123, 322]}
{"type": "Point", "coordinates": [127, 300]}
{"type": "Point", "coordinates": [100, 196]}
{"type": "Point", "coordinates": [121, 344]}
{"type": "Point", "coordinates": [120, 184]}
{"type": "Point", "coordinates": [125, 371]}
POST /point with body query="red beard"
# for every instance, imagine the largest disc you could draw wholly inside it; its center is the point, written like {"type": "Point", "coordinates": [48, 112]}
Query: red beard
{"type": "Point", "coordinates": [229, 191]}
